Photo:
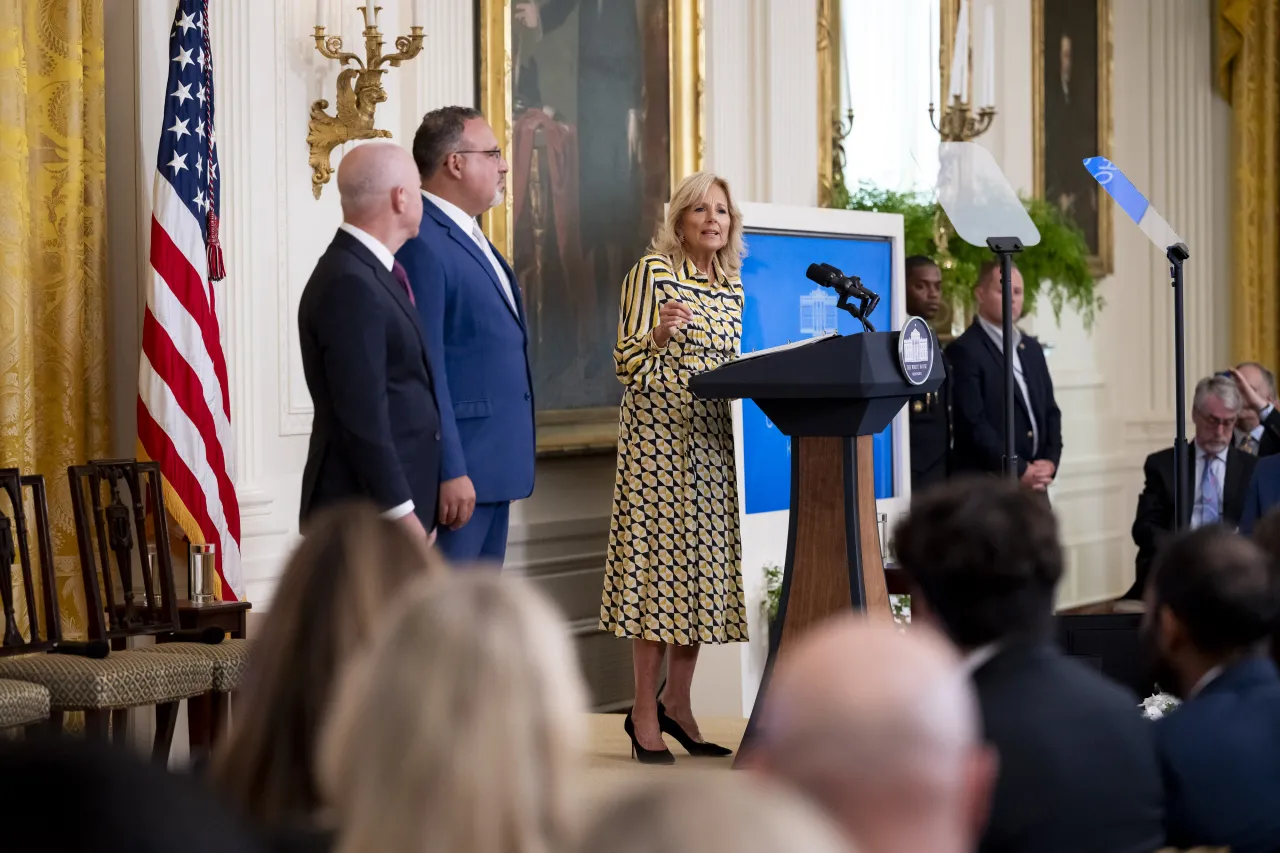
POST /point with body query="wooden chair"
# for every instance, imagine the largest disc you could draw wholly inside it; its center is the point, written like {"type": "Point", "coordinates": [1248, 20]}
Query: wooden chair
{"type": "Point", "coordinates": [22, 702]}
{"type": "Point", "coordinates": [100, 683]}
{"type": "Point", "coordinates": [227, 658]}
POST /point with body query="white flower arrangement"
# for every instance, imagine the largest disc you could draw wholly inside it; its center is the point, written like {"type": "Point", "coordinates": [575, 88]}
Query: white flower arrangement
{"type": "Point", "coordinates": [1159, 705]}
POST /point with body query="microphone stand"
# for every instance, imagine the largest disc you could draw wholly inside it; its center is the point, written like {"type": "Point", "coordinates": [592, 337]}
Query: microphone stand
{"type": "Point", "coordinates": [1178, 253]}
{"type": "Point", "coordinates": [1005, 248]}
{"type": "Point", "coordinates": [860, 311]}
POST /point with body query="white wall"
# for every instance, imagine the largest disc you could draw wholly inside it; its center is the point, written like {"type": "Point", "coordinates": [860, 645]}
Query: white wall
{"type": "Point", "coordinates": [1115, 387]}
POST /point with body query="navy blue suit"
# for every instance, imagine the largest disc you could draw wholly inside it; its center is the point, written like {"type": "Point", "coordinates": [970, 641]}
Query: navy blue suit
{"type": "Point", "coordinates": [1220, 757]}
{"type": "Point", "coordinates": [1262, 494]}
{"type": "Point", "coordinates": [479, 350]}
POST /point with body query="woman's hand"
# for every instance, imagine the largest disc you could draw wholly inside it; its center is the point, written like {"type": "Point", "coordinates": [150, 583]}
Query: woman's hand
{"type": "Point", "coordinates": [671, 316]}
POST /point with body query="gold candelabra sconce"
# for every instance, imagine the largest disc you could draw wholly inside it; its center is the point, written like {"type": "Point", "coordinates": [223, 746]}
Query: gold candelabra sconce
{"type": "Point", "coordinates": [359, 92]}
{"type": "Point", "coordinates": [840, 130]}
{"type": "Point", "coordinates": [959, 122]}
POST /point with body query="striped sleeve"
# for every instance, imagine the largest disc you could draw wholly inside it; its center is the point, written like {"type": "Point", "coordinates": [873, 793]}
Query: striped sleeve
{"type": "Point", "coordinates": [636, 355]}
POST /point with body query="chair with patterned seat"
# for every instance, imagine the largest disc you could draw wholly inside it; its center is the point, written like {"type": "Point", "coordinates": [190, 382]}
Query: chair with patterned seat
{"type": "Point", "coordinates": [22, 702]}
{"type": "Point", "coordinates": [227, 658]}
{"type": "Point", "coordinates": [86, 676]}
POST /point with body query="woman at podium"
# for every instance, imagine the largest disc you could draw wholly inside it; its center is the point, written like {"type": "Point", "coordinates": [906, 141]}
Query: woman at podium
{"type": "Point", "coordinates": [673, 576]}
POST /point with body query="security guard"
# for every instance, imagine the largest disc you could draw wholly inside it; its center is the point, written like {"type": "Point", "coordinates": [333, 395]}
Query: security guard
{"type": "Point", "coordinates": [930, 414]}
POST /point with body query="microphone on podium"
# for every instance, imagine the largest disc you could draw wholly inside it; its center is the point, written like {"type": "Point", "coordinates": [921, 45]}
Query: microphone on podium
{"type": "Point", "coordinates": [848, 287]}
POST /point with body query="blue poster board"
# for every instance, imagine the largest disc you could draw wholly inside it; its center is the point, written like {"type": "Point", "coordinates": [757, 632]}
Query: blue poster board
{"type": "Point", "coordinates": [783, 306]}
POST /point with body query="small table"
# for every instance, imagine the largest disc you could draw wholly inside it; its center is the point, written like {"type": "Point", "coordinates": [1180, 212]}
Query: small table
{"type": "Point", "coordinates": [230, 616]}
{"type": "Point", "coordinates": [207, 714]}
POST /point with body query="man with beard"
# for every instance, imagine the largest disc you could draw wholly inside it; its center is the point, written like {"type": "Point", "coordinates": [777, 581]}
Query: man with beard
{"type": "Point", "coordinates": [1078, 767]}
{"type": "Point", "coordinates": [1217, 477]}
{"type": "Point", "coordinates": [930, 414]}
{"type": "Point", "coordinates": [1211, 606]}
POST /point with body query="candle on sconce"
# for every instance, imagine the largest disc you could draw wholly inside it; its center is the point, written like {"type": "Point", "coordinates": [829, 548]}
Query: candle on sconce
{"type": "Point", "coordinates": [322, 14]}
{"type": "Point", "coordinates": [960, 54]}
{"type": "Point", "coordinates": [929, 57]}
{"type": "Point", "coordinates": [370, 14]}
{"type": "Point", "coordinates": [419, 13]}
{"type": "Point", "coordinates": [989, 60]}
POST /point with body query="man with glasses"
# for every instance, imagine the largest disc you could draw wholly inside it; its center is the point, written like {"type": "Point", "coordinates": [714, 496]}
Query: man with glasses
{"type": "Point", "coordinates": [474, 322]}
{"type": "Point", "coordinates": [1218, 477]}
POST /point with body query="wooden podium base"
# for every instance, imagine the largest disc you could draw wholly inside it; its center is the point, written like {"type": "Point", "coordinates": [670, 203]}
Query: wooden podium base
{"type": "Point", "coordinates": [834, 563]}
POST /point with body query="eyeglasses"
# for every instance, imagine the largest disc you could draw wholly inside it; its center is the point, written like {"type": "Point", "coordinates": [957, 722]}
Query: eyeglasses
{"type": "Point", "coordinates": [1218, 423]}
{"type": "Point", "coordinates": [492, 153]}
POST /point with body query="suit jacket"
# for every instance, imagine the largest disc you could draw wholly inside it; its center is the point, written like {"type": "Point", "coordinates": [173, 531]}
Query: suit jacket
{"type": "Point", "coordinates": [1269, 443]}
{"type": "Point", "coordinates": [1220, 756]}
{"type": "Point", "coordinates": [479, 345]}
{"type": "Point", "coordinates": [1262, 493]}
{"type": "Point", "coordinates": [376, 430]}
{"type": "Point", "coordinates": [930, 419]}
{"type": "Point", "coordinates": [1153, 522]}
{"type": "Point", "coordinates": [1078, 768]}
{"type": "Point", "coordinates": [977, 366]}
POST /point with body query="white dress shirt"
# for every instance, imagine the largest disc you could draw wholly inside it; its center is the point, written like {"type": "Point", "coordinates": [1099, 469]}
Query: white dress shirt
{"type": "Point", "coordinates": [1219, 463]}
{"type": "Point", "coordinates": [472, 228]}
{"type": "Point", "coordinates": [997, 334]}
{"type": "Point", "coordinates": [388, 260]}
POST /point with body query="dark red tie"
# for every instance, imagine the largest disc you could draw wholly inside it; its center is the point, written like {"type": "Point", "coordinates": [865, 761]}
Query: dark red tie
{"type": "Point", "coordinates": [397, 269]}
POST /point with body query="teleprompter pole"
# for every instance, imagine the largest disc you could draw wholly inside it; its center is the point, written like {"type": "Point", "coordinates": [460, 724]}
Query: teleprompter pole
{"type": "Point", "coordinates": [1005, 248]}
{"type": "Point", "coordinates": [1178, 253]}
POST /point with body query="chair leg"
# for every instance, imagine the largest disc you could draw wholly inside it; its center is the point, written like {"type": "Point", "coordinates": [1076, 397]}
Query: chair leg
{"type": "Point", "coordinates": [95, 725]}
{"type": "Point", "coordinates": [53, 725]}
{"type": "Point", "coordinates": [166, 719]}
{"type": "Point", "coordinates": [120, 726]}
{"type": "Point", "coordinates": [221, 715]}
{"type": "Point", "coordinates": [200, 723]}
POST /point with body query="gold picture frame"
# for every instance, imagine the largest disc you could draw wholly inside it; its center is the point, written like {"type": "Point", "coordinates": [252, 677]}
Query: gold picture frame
{"type": "Point", "coordinates": [589, 429]}
{"type": "Point", "coordinates": [1101, 262]}
{"type": "Point", "coordinates": [828, 95]}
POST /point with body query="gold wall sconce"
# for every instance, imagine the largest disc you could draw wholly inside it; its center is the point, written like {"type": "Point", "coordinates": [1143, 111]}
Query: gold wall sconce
{"type": "Point", "coordinates": [359, 90]}
{"type": "Point", "coordinates": [960, 119]}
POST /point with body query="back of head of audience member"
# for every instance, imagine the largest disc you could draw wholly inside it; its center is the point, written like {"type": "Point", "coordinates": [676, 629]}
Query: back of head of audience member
{"type": "Point", "coordinates": [983, 554]}
{"type": "Point", "coordinates": [724, 813]}
{"type": "Point", "coordinates": [881, 728]}
{"type": "Point", "coordinates": [349, 566]}
{"type": "Point", "coordinates": [460, 728]}
{"type": "Point", "coordinates": [71, 795]}
{"type": "Point", "coordinates": [1212, 601]}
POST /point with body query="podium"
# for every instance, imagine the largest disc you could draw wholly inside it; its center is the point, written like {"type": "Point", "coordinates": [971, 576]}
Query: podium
{"type": "Point", "coordinates": [830, 396]}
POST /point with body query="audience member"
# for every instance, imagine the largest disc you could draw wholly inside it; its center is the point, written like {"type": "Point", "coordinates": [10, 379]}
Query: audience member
{"type": "Point", "coordinates": [726, 814]}
{"type": "Point", "coordinates": [334, 591]}
{"type": "Point", "coordinates": [459, 731]}
{"type": "Point", "coordinates": [930, 413]}
{"type": "Point", "coordinates": [1078, 768]}
{"type": "Point", "coordinates": [1258, 425]}
{"type": "Point", "coordinates": [881, 729]}
{"type": "Point", "coordinates": [1218, 477]}
{"type": "Point", "coordinates": [70, 796]}
{"type": "Point", "coordinates": [1212, 605]}
{"type": "Point", "coordinates": [977, 386]}
{"type": "Point", "coordinates": [1266, 535]}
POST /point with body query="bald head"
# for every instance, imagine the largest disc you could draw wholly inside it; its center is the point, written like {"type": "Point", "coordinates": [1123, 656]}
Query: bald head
{"type": "Point", "coordinates": [882, 727]}
{"type": "Point", "coordinates": [378, 185]}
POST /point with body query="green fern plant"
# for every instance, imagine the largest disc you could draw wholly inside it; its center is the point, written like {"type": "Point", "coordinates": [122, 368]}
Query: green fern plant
{"type": "Point", "coordinates": [1057, 268]}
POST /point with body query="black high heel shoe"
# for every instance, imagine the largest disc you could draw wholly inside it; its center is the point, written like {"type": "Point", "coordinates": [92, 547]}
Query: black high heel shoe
{"type": "Point", "coordinates": [699, 748]}
{"type": "Point", "coordinates": [639, 753]}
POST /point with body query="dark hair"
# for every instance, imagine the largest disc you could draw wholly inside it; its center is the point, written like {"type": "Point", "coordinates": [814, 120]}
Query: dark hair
{"type": "Point", "coordinates": [915, 262]}
{"type": "Point", "coordinates": [349, 565]}
{"type": "Point", "coordinates": [1220, 586]}
{"type": "Point", "coordinates": [439, 135]}
{"type": "Point", "coordinates": [984, 553]}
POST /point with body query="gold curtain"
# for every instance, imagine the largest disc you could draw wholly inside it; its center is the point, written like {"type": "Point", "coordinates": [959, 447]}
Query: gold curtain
{"type": "Point", "coordinates": [53, 327]}
{"type": "Point", "coordinates": [1248, 76]}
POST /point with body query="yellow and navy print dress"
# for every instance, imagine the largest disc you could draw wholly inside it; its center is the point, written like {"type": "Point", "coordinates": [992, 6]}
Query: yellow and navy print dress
{"type": "Point", "coordinates": [674, 571]}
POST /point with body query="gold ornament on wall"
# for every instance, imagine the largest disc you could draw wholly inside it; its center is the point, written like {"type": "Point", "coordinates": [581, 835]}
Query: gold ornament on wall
{"type": "Point", "coordinates": [359, 92]}
{"type": "Point", "coordinates": [959, 119]}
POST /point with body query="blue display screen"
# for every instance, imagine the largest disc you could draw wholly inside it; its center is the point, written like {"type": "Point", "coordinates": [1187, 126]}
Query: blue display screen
{"type": "Point", "coordinates": [783, 306]}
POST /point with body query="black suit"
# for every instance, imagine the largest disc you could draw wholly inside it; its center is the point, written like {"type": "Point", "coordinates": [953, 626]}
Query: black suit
{"type": "Point", "coordinates": [376, 432]}
{"type": "Point", "coordinates": [930, 419]}
{"type": "Point", "coordinates": [1153, 522]}
{"type": "Point", "coordinates": [1078, 766]}
{"type": "Point", "coordinates": [977, 368]}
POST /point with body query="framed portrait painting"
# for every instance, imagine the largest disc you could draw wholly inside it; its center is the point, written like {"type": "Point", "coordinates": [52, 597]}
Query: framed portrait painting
{"type": "Point", "coordinates": [1071, 91]}
{"type": "Point", "coordinates": [598, 106]}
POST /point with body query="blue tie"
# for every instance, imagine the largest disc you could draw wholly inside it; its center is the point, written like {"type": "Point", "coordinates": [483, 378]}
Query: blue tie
{"type": "Point", "coordinates": [1209, 509]}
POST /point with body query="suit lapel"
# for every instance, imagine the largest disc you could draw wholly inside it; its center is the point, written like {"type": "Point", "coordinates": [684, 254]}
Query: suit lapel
{"type": "Point", "coordinates": [998, 357]}
{"type": "Point", "coordinates": [1190, 486]}
{"type": "Point", "coordinates": [1232, 488]}
{"type": "Point", "coordinates": [388, 281]}
{"type": "Point", "coordinates": [463, 239]}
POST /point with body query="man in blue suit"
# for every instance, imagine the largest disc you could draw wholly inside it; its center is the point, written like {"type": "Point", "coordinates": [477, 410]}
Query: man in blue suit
{"type": "Point", "coordinates": [473, 320]}
{"type": "Point", "coordinates": [1211, 605]}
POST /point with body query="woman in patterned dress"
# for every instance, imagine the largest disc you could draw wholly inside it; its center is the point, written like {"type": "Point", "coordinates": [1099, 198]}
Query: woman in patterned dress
{"type": "Point", "coordinates": [673, 578]}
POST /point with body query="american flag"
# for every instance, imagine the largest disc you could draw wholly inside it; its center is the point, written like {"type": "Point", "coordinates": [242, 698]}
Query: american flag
{"type": "Point", "coordinates": [184, 408]}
